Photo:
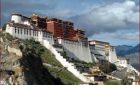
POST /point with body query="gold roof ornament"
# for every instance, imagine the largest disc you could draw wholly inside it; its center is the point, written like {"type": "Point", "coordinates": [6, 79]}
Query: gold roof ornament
{"type": "Point", "coordinates": [34, 14]}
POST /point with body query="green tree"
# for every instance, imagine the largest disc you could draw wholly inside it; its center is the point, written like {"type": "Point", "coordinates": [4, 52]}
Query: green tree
{"type": "Point", "coordinates": [111, 82]}
{"type": "Point", "coordinates": [106, 66]}
{"type": "Point", "coordinates": [126, 81]}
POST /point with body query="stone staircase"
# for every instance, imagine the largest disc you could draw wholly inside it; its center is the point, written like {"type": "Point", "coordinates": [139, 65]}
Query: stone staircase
{"type": "Point", "coordinates": [70, 66]}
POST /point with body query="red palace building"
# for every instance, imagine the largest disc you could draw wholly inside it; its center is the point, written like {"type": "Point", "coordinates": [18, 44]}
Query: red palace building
{"type": "Point", "coordinates": [39, 21]}
{"type": "Point", "coordinates": [56, 27]}
{"type": "Point", "coordinates": [59, 28]}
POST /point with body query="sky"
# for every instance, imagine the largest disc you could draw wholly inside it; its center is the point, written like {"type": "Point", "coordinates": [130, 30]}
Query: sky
{"type": "Point", "coordinates": [113, 21]}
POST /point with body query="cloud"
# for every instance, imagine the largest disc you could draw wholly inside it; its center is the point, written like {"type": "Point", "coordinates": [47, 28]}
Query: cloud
{"type": "Point", "coordinates": [121, 35]}
{"type": "Point", "coordinates": [25, 8]}
{"type": "Point", "coordinates": [101, 19]}
{"type": "Point", "coordinates": [127, 36]}
{"type": "Point", "coordinates": [109, 18]}
{"type": "Point", "coordinates": [51, 8]}
{"type": "Point", "coordinates": [118, 38]}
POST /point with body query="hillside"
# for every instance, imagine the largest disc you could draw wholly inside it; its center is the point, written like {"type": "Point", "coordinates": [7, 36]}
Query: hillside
{"type": "Point", "coordinates": [31, 63]}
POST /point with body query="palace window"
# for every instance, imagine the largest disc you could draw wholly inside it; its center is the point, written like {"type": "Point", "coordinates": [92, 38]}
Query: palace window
{"type": "Point", "coordinates": [44, 34]}
{"type": "Point", "coordinates": [27, 31]}
{"type": "Point", "coordinates": [18, 30]}
{"type": "Point", "coordinates": [37, 33]}
{"type": "Point", "coordinates": [24, 31]}
{"type": "Point", "coordinates": [33, 32]}
{"type": "Point", "coordinates": [48, 36]}
{"type": "Point", "coordinates": [21, 31]}
{"type": "Point", "coordinates": [15, 30]}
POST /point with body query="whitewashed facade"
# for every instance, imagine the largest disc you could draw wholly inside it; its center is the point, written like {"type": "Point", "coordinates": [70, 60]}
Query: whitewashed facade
{"type": "Point", "coordinates": [77, 50]}
{"type": "Point", "coordinates": [18, 18]}
{"type": "Point", "coordinates": [27, 32]}
{"type": "Point", "coordinates": [112, 56]}
{"type": "Point", "coordinates": [103, 51]}
{"type": "Point", "coordinates": [123, 62]}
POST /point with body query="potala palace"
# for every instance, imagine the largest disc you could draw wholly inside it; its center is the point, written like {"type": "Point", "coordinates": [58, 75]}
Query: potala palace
{"type": "Point", "coordinates": [61, 36]}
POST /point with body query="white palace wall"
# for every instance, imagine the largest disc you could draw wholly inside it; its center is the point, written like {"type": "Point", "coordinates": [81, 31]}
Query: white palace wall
{"type": "Point", "coordinates": [27, 33]}
{"type": "Point", "coordinates": [70, 66]}
{"type": "Point", "coordinates": [16, 19]}
{"type": "Point", "coordinates": [76, 50]}
{"type": "Point", "coordinates": [112, 56]}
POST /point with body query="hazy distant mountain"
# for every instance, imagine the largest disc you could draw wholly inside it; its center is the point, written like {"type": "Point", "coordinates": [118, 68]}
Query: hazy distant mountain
{"type": "Point", "coordinates": [134, 49]}
{"type": "Point", "coordinates": [130, 52]}
{"type": "Point", "coordinates": [123, 50]}
{"type": "Point", "coordinates": [133, 59]}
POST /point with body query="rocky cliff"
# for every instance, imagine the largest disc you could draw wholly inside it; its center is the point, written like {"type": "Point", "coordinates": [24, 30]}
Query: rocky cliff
{"type": "Point", "coordinates": [22, 63]}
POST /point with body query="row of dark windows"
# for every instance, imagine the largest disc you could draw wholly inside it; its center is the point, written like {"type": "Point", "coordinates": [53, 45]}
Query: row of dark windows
{"type": "Point", "coordinates": [28, 32]}
{"type": "Point", "coordinates": [25, 31]}
{"type": "Point", "coordinates": [46, 35]}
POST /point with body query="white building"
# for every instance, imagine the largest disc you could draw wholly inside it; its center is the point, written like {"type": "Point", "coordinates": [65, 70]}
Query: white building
{"type": "Point", "coordinates": [77, 50]}
{"type": "Point", "coordinates": [123, 62]}
{"type": "Point", "coordinates": [103, 51]}
{"type": "Point", "coordinates": [24, 31]}
{"type": "Point", "coordinates": [20, 26]}
{"type": "Point", "coordinates": [18, 18]}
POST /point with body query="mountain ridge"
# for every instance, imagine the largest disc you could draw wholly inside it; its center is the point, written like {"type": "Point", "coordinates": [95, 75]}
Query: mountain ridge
{"type": "Point", "coordinates": [130, 52]}
{"type": "Point", "coordinates": [123, 50]}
